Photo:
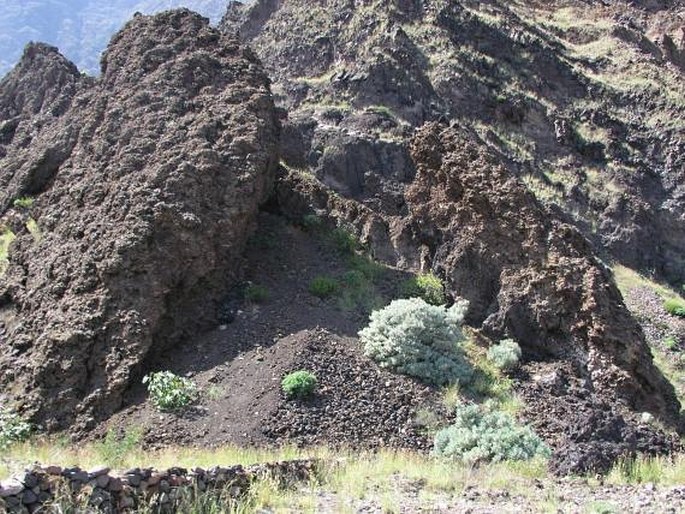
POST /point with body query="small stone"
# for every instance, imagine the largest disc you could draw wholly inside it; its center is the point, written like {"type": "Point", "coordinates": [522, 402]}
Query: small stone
{"type": "Point", "coordinates": [30, 480]}
{"type": "Point", "coordinates": [126, 502]}
{"type": "Point", "coordinates": [11, 487]}
{"type": "Point", "coordinates": [154, 479]}
{"type": "Point", "coordinates": [115, 485]}
{"type": "Point", "coordinates": [29, 497]}
{"type": "Point", "coordinates": [133, 480]}
{"type": "Point", "coordinates": [53, 470]}
{"type": "Point", "coordinates": [646, 417]}
{"type": "Point", "coordinates": [99, 471]}
{"type": "Point", "coordinates": [164, 486]}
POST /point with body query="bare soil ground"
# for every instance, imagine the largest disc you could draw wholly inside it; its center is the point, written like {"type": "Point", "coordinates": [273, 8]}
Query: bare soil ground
{"type": "Point", "coordinates": [239, 365]}
{"type": "Point", "coordinates": [568, 496]}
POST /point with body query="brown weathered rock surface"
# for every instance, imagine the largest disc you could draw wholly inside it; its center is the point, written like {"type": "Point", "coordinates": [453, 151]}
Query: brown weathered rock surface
{"type": "Point", "coordinates": [148, 184]}
{"type": "Point", "coordinates": [531, 277]}
{"type": "Point", "coordinates": [358, 77]}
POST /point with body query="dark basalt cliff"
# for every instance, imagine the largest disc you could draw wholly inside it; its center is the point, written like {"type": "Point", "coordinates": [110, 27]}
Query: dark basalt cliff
{"type": "Point", "coordinates": [148, 181]}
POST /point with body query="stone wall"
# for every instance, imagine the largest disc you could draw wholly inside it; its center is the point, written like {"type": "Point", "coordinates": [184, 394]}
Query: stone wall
{"type": "Point", "coordinates": [101, 490]}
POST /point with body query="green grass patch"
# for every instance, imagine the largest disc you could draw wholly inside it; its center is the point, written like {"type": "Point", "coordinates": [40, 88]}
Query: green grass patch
{"type": "Point", "coordinates": [323, 286]}
{"type": "Point", "coordinates": [425, 285]}
{"type": "Point", "coordinates": [671, 343]}
{"type": "Point", "coordinates": [344, 241]}
{"type": "Point", "coordinates": [675, 307]}
{"type": "Point", "coordinates": [488, 380]}
{"type": "Point", "coordinates": [642, 470]}
{"type": "Point", "coordinates": [299, 384]}
{"type": "Point", "coordinates": [381, 110]}
{"type": "Point", "coordinates": [114, 448]}
{"type": "Point", "coordinates": [256, 294]}
{"type": "Point", "coordinates": [628, 279]}
{"type": "Point", "coordinates": [25, 202]}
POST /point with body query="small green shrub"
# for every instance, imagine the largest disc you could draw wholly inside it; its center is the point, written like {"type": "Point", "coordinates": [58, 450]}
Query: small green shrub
{"type": "Point", "coordinates": [25, 202]}
{"type": "Point", "coordinates": [113, 450]}
{"type": "Point", "coordinates": [482, 433]}
{"type": "Point", "coordinates": [323, 286]}
{"type": "Point", "coordinates": [671, 343]}
{"type": "Point", "coordinates": [13, 428]}
{"type": "Point", "coordinates": [299, 384]}
{"type": "Point", "coordinates": [415, 338]}
{"type": "Point", "coordinates": [312, 223]}
{"type": "Point", "coordinates": [505, 355]}
{"type": "Point", "coordinates": [366, 265]}
{"type": "Point", "coordinates": [675, 306]}
{"type": "Point", "coordinates": [257, 294]}
{"type": "Point", "coordinates": [168, 391]}
{"type": "Point", "coordinates": [343, 241]}
{"type": "Point", "coordinates": [427, 286]}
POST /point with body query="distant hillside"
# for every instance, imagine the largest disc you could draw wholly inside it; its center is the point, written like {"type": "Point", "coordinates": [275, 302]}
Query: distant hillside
{"type": "Point", "coordinates": [79, 28]}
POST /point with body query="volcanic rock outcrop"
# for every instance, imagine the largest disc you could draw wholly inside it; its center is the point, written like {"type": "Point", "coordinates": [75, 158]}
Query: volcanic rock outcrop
{"type": "Point", "coordinates": [598, 133]}
{"type": "Point", "coordinates": [526, 274]}
{"type": "Point", "coordinates": [147, 184]}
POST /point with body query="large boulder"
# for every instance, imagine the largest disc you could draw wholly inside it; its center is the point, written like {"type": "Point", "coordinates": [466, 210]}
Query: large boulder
{"type": "Point", "coordinates": [142, 214]}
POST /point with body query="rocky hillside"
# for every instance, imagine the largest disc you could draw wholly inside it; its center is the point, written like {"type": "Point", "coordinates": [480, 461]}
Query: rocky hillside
{"type": "Point", "coordinates": [147, 183]}
{"type": "Point", "coordinates": [509, 148]}
{"type": "Point", "coordinates": [582, 100]}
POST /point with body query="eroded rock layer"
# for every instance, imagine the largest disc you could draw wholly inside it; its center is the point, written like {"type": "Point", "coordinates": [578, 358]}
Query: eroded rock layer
{"type": "Point", "coordinates": [148, 183]}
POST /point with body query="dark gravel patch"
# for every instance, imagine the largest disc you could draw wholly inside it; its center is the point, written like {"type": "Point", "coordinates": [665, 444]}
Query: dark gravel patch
{"type": "Point", "coordinates": [357, 403]}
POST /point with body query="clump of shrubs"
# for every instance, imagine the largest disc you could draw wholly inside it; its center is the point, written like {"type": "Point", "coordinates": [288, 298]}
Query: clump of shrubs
{"type": "Point", "coordinates": [323, 286]}
{"type": "Point", "coordinates": [13, 428]}
{"type": "Point", "coordinates": [412, 337]}
{"type": "Point", "coordinates": [481, 433]}
{"type": "Point", "coordinates": [675, 306]}
{"type": "Point", "coordinates": [427, 286]}
{"type": "Point", "coordinates": [299, 384]}
{"type": "Point", "coordinates": [168, 391]}
{"type": "Point", "coordinates": [505, 355]}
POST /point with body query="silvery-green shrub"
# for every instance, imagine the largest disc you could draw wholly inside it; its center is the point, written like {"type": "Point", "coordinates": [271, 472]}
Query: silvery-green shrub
{"type": "Point", "coordinates": [484, 434]}
{"type": "Point", "coordinates": [415, 338]}
{"type": "Point", "coordinates": [505, 355]}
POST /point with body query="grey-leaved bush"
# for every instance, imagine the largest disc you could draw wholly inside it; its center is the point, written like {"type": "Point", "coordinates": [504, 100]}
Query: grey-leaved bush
{"type": "Point", "coordinates": [485, 434]}
{"type": "Point", "coordinates": [418, 339]}
{"type": "Point", "coordinates": [505, 355]}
